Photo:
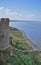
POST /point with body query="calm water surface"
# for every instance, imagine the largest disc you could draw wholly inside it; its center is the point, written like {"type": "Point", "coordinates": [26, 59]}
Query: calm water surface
{"type": "Point", "coordinates": [32, 30]}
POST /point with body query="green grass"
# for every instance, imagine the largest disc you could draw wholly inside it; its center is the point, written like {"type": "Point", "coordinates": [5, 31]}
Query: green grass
{"type": "Point", "coordinates": [21, 58]}
{"type": "Point", "coordinates": [16, 34]}
{"type": "Point", "coordinates": [24, 59]}
{"type": "Point", "coordinates": [18, 40]}
{"type": "Point", "coordinates": [21, 46]}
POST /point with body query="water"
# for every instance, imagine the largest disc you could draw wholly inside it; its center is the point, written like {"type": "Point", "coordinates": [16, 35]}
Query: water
{"type": "Point", "coordinates": [31, 29]}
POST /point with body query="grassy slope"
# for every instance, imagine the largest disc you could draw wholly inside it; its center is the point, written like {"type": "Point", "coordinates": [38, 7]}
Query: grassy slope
{"type": "Point", "coordinates": [18, 41]}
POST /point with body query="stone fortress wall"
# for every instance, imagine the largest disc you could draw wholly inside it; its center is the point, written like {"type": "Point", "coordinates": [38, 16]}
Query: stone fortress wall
{"type": "Point", "coordinates": [4, 36]}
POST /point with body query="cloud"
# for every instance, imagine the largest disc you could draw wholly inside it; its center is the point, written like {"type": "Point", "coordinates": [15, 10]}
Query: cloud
{"type": "Point", "coordinates": [8, 13]}
{"type": "Point", "coordinates": [5, 12]}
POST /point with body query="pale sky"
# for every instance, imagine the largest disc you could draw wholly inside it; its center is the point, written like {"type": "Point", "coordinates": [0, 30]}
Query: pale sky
{"type": "Point", "coordinates": [21, 9]}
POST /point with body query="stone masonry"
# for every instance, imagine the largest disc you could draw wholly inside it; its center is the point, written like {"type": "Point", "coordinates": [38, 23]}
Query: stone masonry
{"type": "Point", "coordinates": [4, 33]}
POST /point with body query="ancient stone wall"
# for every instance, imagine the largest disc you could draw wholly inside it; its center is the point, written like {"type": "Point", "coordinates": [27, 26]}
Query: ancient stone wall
{"type": "Point", "coordinates": [4, 33]}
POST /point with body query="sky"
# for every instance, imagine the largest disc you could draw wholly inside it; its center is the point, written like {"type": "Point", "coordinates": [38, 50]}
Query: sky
{"type": "Point", "coordinates": [21, 9]}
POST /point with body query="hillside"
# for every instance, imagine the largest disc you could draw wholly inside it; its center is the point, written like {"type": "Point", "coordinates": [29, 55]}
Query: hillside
{"type": "Point", "coordinates": [18, 39]}
{"type": "Point", "coordinates": [18, 42]}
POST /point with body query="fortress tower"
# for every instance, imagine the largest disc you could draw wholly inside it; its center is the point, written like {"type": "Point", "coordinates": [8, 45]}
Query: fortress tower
{"type": "Point", "coordinates": [4, 33]}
